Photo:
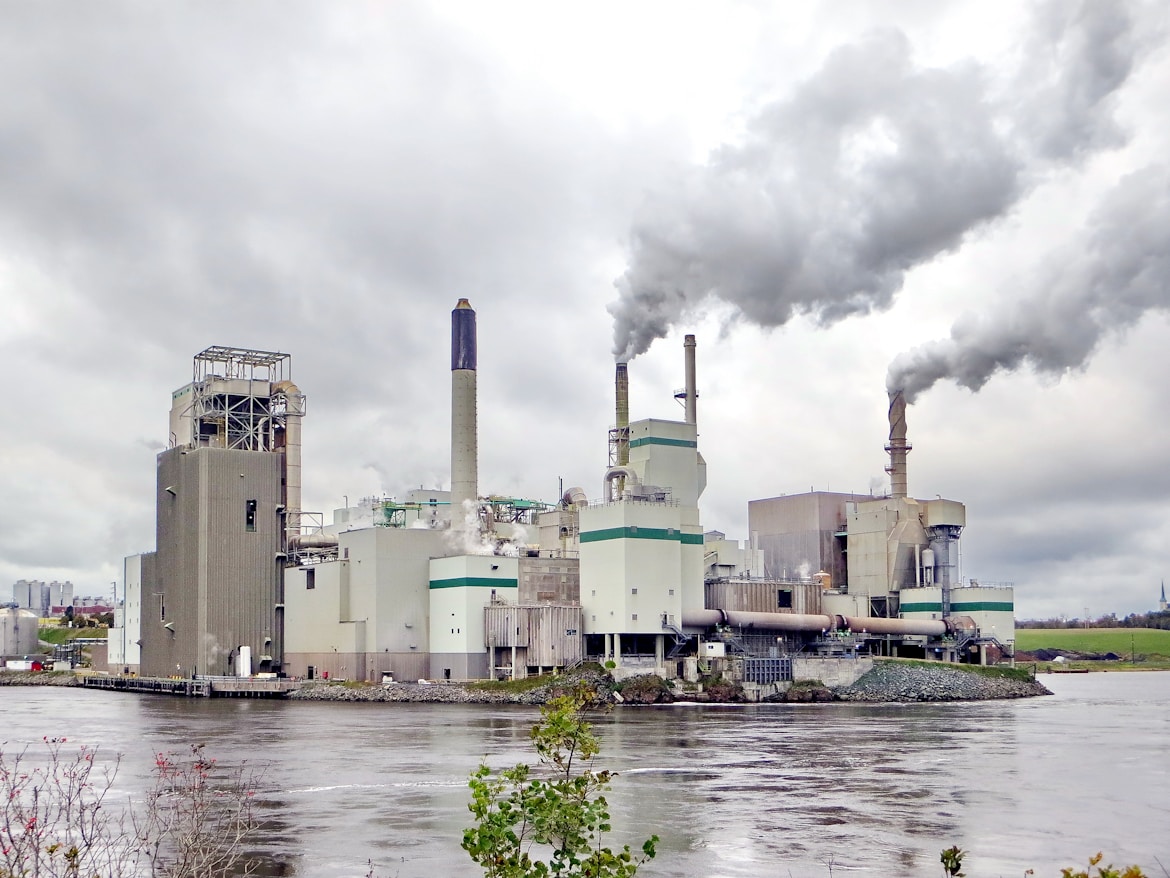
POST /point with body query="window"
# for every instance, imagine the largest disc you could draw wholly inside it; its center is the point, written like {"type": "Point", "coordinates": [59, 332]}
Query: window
{"type": "Point", "coordinates": [250, 516]}
{"type": "Point", "coordinates": [633, 591]}
{"type": "Point", "coordinates": [634, 617]}
{"type": "Point", "coordinates": [310, 578]}
{"type": "Point", "coordinates": [784, 598]}
{"type": "Point", "coordinates": [670, 591]}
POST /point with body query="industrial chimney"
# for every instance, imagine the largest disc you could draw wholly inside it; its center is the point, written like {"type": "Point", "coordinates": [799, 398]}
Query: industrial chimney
{"type": "Point", "coordinates": [898, 447]}
{"type": "Point", "coordinates": [622, 405]}
{"type": "Point", "coordinates": [464, 443]}
{"type": "Point", "coordinates": [691, 394]}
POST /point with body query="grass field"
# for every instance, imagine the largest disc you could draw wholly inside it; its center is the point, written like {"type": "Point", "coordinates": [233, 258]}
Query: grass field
{"type": "Point", "coordinates": [1149, 642]}
{"type": "Point", "coordinates": [60, 635]}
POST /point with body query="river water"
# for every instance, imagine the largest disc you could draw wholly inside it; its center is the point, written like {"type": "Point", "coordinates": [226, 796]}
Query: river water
{"type": "Point", "coordinates": [775, 790]}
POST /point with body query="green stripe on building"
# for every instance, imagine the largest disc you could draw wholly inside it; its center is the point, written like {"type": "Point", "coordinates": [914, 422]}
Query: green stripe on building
{"type": "Point", "coordinates": [971, 607]}
{"type": "Point", "coordinates": [984, 607]}
{"type": "Point", "coordinates": [659, 440]}
{"type": "Point", "coordinates": [641, 533]}
{"type": "Point", "coordinates": [473, 582]}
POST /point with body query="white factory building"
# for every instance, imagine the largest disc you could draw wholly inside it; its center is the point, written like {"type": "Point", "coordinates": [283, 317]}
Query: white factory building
{"type": "Point", "coordinates": [462, 584]}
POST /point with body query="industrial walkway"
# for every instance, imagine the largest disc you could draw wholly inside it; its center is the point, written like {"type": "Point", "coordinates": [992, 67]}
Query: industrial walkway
{"type": "Point", "coordinates": [200, 687]}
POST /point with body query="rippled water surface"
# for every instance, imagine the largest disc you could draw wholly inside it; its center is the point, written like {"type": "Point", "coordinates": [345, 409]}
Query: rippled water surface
{"type": "Point", "coordinates": [732, 791]}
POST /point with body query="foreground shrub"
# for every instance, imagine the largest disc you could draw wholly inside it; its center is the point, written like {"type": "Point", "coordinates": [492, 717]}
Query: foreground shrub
{"type": "Point", "coordinates": [57, 817]}
{"type": "Point", "coordinates": [551, 820]}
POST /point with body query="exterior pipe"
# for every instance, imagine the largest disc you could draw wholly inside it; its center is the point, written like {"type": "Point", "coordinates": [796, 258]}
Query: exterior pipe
{"type": "Point", "coordinates": [813, 622]}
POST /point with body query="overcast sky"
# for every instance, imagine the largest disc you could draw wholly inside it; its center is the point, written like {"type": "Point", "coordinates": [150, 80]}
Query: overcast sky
{"type": "Point", "coordinates": [969, 200]}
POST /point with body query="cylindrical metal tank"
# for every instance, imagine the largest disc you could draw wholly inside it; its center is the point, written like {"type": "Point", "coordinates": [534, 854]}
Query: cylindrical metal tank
{"type": "Point", "coordinates": [18, 632]}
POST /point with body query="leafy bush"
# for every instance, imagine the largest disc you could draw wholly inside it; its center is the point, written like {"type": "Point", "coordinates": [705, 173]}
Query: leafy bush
{"type": "Point", "coordinates": [551, 820]}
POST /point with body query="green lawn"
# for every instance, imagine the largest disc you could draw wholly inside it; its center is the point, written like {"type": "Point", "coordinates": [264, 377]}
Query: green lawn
{"type": "Point", "coordinates": [1149, 642]}
{"type": "Point", "coordinates": [60, 635]}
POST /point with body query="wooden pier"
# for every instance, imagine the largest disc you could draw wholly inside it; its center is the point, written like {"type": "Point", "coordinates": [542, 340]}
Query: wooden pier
{"type": "Point", "coordinates": [199, 687]}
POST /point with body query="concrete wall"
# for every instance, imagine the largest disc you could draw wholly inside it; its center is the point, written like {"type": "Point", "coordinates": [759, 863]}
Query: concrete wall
{"type": "Point", "coordinates": [634, 567]}
{"type": "Point", "coordinates": [831, 671]}
{"type": "Point", "coordinates": [372, 602]}
{"type": "Point", "coordinates": [549, 581]}
{"type": "Point", "coordinates": [460, 588]}
{"type": "Point", "coordinates": [665, 453]}
{"type": "Point", "coordinates": [125, 651]}
{"type": "Point", "coordinates": [797, 534]}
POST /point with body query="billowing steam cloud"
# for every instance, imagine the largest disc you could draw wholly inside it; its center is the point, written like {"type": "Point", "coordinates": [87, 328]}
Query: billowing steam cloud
{"type": "Point", "coordinates": [871, 167]}
{"type": "Point", "coordinates": [1106, 280]}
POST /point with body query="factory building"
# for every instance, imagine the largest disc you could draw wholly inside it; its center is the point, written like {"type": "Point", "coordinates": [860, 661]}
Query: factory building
{"type": "Point", "coordinates": [890, 557]}
{"type": "Point", "coordinates": [125, 636]}
{"type": "Point", "coordinates": [227, 507]}
{"type": "Point", "coordinates": [451, 585]}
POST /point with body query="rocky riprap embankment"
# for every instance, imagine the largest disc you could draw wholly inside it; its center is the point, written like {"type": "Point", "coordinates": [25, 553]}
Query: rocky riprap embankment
{"type": "Point", "coordinates": [445, 693]}
{"type": "Point", "coordinates": [38, 678]}
{"type": "Point", "coordinates": [891, 681]}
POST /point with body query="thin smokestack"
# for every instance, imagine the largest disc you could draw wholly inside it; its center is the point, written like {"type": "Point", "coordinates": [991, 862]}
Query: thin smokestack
{"type": "Point", "coordinates": [464, 432]}
{"type": "Point", "coordinates": [692, 394]}
{"type": "Point", "coordinates": [622, 405]}
{"type": "Point", "coordinates": [898, 447]}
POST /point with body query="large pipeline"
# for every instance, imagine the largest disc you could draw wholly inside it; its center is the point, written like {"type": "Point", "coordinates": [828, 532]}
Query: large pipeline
{"type": "Point", "coordinates": [820, 622]}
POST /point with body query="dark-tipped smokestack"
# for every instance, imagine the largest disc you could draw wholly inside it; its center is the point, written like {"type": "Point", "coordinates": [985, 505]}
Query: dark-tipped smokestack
{"type": "Point", "coordinates": [898, 447]}
{"type": "Point", "coordinates": [621, 383]}
{"type": "Point", "coordinates": [464, 441]}
{"type": "Point", "coordinates": [691, 400]}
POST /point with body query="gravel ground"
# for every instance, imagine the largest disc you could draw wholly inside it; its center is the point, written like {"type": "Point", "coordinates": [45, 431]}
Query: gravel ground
{"type": "Point", "coordinates": [891, 681]}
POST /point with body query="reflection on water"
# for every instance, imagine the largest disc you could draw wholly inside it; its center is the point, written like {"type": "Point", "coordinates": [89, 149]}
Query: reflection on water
{"type": "Point", "coordinates": [761, 790]}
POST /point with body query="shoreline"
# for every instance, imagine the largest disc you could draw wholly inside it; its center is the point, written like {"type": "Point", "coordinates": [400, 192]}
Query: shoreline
{"type": "Point", "coordinates": [888, 682]}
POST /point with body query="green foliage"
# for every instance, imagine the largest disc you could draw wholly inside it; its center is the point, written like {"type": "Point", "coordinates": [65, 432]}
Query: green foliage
{"type": "Point", "coordinates": [1102, 871]}
{"type": "Point", "coordinates": [550, 820]}
{"type": "Point", "coordinates": [952, 862]}
{"type": "Point", "coordinates": [527, 684]}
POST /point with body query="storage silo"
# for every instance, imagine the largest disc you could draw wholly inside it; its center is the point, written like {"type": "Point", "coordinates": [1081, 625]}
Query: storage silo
{"type": "Point", "coordinates": [18, 632]}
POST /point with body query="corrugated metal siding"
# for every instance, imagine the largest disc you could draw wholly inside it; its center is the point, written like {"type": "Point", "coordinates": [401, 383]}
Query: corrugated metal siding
{"type": "Point", "coordinates": [216, 579]}
{"type": "Point", "coordinates": [550, 636]}
{"type": "Point", "coordinates": [761, 596]}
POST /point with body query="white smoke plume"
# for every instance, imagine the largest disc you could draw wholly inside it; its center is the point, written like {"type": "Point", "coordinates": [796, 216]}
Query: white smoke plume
{"type": "Point", "coordinates": [872, 166]}
{"type": "Point", "coordinates": [1104, 281]}
{"type": "Point", "coordinates": [467, 535]}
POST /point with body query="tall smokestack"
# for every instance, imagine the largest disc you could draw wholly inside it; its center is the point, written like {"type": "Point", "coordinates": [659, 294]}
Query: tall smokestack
{"type": "Point", "coordinates": [464, 442]}
{"type": "Point", "coordinates": [622, 400]}
{"type": "Point", "coordinates": [692, 394]}
{"type": "Point", "coordinates": [898, 447]}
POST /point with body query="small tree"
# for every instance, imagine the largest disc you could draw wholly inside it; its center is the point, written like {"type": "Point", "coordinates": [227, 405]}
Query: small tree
{"type": "Point", "coordinates": [551, 820]}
